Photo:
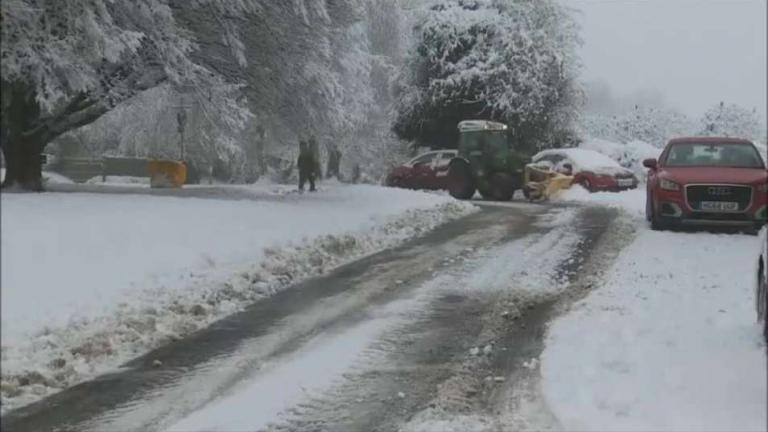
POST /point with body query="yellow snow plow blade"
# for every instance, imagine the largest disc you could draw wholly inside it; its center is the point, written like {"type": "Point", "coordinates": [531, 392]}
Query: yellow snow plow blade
{"type": "Point", "coordinates": [167, 173]}
{"type": "Point", "coordinates": [541, 183]}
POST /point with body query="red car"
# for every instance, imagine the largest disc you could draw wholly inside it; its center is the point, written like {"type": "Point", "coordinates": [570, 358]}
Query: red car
{"type": "Point", "coordinates": [425, 171]}
{"type": "Point", "coordinates": [594, 171]}
{"type": "Point", "coordinates": [707, 181]}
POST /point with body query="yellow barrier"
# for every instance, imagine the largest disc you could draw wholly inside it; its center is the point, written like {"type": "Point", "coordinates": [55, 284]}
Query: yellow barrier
{"type": "Point", "coordinates": [167, 173]}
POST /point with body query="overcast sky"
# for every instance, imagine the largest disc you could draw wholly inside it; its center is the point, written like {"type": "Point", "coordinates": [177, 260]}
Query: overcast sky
{"type": "Point", "coordinates": [695, 52]}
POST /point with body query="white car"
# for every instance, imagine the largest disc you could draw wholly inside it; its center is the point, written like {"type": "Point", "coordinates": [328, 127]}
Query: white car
{"type": "Point", "coordinates": [761, 282]}
{"type": "Point", "coordinates": [594, 171]}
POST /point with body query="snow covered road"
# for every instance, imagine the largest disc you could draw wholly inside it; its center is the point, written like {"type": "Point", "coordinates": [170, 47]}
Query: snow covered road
{"type": "Point", "coordinates": [415, 332]}
{"type": "Point", "coordinates": [518, 317]}
{"type": "Point", "coordinates": [91, 280]}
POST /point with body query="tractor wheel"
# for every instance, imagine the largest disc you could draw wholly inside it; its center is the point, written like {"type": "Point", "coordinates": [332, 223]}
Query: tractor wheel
{"type": "Point", "coordinates": [461, 185]}
{"type": "Point", "coordinates": [502, 188]}
{"type": "Point", "coordinates": [528, 193]}
{"type": "Point", "coordinates": [487, 194]}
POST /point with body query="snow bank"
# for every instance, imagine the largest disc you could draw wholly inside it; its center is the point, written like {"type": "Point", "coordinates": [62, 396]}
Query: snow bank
{"type": "Point", "coordinates": [667, 342]}
{"type": "Point", "coordinates": [119, 181]}
{"type": "Point", "coordinates": [49, 177]}
{"type": "Point", "coordinates": [94, 280]}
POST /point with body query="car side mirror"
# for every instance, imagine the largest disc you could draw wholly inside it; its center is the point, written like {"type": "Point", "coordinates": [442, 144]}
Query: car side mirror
{"type": "Point", "coordinates": [650, 163]}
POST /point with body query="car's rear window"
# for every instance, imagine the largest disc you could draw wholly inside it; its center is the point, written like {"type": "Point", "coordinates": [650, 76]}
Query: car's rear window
{"type": "Point", "coordinates": [714, 155]}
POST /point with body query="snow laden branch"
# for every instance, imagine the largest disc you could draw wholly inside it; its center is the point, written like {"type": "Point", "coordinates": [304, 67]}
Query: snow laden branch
{"type": "Point", "coordinates": [512, 61]}
{"type": "Point", "coordinates": [68, 62]}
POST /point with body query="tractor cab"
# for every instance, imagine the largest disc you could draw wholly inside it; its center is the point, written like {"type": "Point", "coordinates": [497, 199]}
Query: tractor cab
{"type": "Point", "coordinates": [485, 162]}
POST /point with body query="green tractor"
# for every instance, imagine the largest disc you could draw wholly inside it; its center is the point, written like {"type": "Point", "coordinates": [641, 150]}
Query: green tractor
{"type": "Point", "coordinates": [485, 162]}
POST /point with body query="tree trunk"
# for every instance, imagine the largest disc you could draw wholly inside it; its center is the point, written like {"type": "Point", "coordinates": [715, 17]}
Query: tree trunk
{"type": "Point", "coordinates": [261, 154]}
{"type": "Point", "coordinates": [23, 165]}
{"type": "Point", "coordinates": [334, 160]}
{"type": "Point", "coordinates": [21, 151]}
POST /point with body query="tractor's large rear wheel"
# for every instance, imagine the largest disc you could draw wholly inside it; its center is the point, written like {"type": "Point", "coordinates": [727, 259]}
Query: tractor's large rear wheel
{"type": "Point", "coordinates": [502, 187]}
{"type": "Point", "coordinates": [461, 184]}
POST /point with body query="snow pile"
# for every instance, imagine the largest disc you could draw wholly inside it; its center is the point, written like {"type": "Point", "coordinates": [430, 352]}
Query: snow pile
{"type": "Point", "coordinates": [667, 342]}
{"type": "Point", "coordinates": [119, 181]}
{"type": "Point", "coordinates": [130, 273]}
{"type": "Point", "coordinates": [630, 155]}
{"type": "Point", "coordinates": [631, 201]}
{"type": "Point", "coordinates": [48, 177]}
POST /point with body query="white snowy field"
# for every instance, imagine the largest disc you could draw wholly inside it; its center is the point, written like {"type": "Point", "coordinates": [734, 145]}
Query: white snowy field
{"type": "Point", "coordinates": [91, 280]}
{"type": "Point", "coordinates": [667, 341]}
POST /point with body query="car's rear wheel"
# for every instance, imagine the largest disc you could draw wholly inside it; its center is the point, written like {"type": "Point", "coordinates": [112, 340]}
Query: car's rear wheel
{"type": "Point", "coordinates": [587, 184]}
{"type": "Point", "coordinates": [461, 184]}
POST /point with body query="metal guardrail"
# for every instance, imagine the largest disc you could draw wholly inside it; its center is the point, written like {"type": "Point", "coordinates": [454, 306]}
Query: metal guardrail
{"type": "Point", "coordinates": [81, 170]}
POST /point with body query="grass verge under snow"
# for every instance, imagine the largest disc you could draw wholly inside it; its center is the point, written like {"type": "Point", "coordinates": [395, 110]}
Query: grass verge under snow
{"type": "Point", "coordinates": [91, 281]}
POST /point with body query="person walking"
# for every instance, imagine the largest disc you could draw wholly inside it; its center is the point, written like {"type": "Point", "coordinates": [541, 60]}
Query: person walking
{"type": "Point", "coordinates": [307, 166]}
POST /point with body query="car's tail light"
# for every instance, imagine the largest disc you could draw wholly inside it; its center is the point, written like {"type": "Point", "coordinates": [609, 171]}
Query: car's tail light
{"type": "Point", "coordinates": [669, 185]}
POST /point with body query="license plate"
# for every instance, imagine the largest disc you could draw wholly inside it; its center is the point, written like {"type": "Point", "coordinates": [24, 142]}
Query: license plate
{"type": "Point", "coordinates": [625, 182]}
{"type": "Point", "coordinates": [719, 206]}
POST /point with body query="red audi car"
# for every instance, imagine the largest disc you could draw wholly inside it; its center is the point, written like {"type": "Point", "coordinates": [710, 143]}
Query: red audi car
{"type": "Point", "coordinates": [707, 181]}
{"type": "Point", "coordinates": [425, 171]}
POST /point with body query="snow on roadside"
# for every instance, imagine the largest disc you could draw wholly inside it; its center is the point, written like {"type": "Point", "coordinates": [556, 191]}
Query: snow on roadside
{"type": "Point", "coordinates": [95, 279]}
{"type": "Point", "coordinates": [119, 181]}
{"type": "Point", "coordinates": [667, 342]}
{"type": "Point", "coordinates": [49, 177]}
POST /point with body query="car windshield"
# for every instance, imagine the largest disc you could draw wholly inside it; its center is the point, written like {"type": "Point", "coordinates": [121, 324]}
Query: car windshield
{"type": "Point", "coordinates": [714, 155]}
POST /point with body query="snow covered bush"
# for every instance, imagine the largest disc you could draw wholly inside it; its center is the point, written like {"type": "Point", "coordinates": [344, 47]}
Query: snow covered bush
{"type": "Point", "coordinates": [504, 60]}
{"type": "Point", "coordinates": [652, 125]}
{"type": "Point", "coordinates": [629, 155]}
{"type": "Point", "coordinates": [732, 121]}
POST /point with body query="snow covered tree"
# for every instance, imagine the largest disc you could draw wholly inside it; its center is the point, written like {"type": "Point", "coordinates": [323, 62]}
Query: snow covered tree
{"type": "Point", "coordinates": [732, 121]}
{"type": "Point", "coordinates": [508, 60]}
{"type": "Point", "coordinates": [68, 62]}
{"type": "Point", "coordinates": [649, 124]}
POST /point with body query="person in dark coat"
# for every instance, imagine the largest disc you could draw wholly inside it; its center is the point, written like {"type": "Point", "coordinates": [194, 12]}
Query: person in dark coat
{"type": "Point", "coordinates": [307, 166]}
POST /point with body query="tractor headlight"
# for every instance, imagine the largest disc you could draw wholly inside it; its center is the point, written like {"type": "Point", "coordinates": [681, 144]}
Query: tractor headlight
{"type": "Point", "coordinates": [669, 185]}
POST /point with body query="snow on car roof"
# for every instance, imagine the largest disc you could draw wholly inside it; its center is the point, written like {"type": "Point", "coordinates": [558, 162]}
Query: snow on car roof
{"type": "Point", "coordinates": [583, 159]}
